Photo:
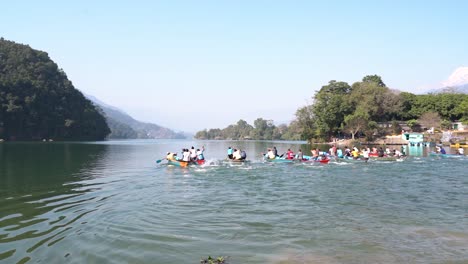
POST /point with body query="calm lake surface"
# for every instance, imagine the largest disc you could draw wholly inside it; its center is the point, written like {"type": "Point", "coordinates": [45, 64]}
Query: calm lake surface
{"type": "Point", "coordinates": [109, 202]}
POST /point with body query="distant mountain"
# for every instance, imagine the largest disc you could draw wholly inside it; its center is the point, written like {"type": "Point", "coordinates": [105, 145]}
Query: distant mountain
{"type": "Point", "coordinates": [457, 82]}
{"type": "Point", "coordinates": [123, 126]}
{"type": "Point", "coordinates": [458, 78]}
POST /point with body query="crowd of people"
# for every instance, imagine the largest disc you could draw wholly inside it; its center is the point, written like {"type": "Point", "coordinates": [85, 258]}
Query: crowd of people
{"type": "Point", "coordinates": [355, 153]}
{"type": "Point", "coordinates": [188, 155]}
{"type": "Point", "coordinates": [237, 154]}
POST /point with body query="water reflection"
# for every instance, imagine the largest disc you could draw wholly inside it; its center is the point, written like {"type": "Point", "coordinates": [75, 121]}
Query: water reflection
{"type": "Point", "coordinates": [42, 193]}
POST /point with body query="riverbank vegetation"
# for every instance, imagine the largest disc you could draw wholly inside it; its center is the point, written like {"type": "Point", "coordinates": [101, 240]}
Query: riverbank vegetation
{"type": "Point", "coordinates": [366, 108]}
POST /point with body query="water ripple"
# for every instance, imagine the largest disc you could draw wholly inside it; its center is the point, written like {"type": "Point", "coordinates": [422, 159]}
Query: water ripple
{"type": "Point", "coordinates": [118, 209]}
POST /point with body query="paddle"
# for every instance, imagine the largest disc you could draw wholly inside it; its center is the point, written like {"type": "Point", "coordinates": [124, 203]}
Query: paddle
{"type": "Point", "coordinates": [159, 160]}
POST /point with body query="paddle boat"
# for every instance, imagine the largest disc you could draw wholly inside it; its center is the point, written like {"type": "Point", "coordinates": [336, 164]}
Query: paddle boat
{"type": "Point", "coordinates": [279, 160]}
{"type": "Point", "coordinates": [351, 159]}
{"type": "Point", "coordinates": [320, 159]}
{"type": "Point", "coordinates": [180, 163]}
{"type": "Point", "coordinates": [435, 154]}
{"type": "Point", "coordinates": [388, 158]}
{"type": "Point", "coordinates": [236, 161]}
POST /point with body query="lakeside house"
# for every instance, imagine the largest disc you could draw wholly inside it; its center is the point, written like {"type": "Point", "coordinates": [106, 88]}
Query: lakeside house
{"type": "Point", "coordinates": [459, 126]}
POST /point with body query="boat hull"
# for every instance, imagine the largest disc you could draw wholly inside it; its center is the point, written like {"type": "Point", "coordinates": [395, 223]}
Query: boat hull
{"type": "Point", "coordinates": [180, 163]}
{"type": "Point", "coordinates": [434, 154]}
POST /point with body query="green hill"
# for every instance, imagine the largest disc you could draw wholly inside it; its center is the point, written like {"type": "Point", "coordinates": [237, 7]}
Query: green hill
{"type": "Point", "coordinates": [37, 101]}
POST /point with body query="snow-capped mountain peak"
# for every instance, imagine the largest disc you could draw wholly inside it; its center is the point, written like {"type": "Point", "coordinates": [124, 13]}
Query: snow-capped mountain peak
{"type": "Point", "coordinates": [459, 77]}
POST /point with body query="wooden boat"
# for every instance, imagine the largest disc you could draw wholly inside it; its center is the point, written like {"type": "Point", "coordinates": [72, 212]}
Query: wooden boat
{"type": "Point", "coordinates": [180, 163]}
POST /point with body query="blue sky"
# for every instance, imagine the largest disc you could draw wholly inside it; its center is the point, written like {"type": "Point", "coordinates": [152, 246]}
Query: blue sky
{"type": "Point", "coordinates": [190, 65]}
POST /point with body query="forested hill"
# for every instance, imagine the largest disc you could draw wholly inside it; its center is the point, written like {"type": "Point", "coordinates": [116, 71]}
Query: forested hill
{"type": "Point", "coordinates": [37, 101]}
{"type": "Point", "coordinates": [123, 126]}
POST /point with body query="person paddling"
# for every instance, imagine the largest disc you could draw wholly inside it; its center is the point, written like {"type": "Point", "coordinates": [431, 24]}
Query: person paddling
{"type": "Point", "coordinates": [171, 156]}
{"type": "Point", "coordinates": [200, 155]}
{"type": "Point", "coordinates": [442, 150]}
{"type": "Point", "coordinates": [237, 155]}
{"type": "Point", "coordinates": [300, 155]}
{"type": "Point", "coordinates": [289, 154]}
{"type": "Point", "coordinates": [229, 153]}
{"type": "Point", "coordinates": [243, 155]}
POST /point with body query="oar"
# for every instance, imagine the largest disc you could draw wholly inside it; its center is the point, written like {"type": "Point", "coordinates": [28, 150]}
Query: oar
{"type": "Point", "coordinates": [159, 160]}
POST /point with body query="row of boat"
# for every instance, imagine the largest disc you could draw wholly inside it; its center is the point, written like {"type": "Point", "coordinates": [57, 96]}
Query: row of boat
{"type": "Point", "coordinates": [308, 159]}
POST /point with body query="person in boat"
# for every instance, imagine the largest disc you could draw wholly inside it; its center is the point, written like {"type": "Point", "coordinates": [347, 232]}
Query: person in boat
{"type": "Point", "coordinates": [193, 154]}
{"type": "Point", "coordinates": [236, 155]}
{"type": "Point", "coordinates": [387, 151]}
{"type": "Point", "coordinates": [185, 155]}
{"type": "Point", "coordinates": [460, 151]}
{"type": "Point", "coordinates": [437, 149]}
{"type": "Point", "coordinates": [243, 155]}
{"type": "Point", "coordinates": [171, 156]}
{"type": "Point", "coordinates": [381, 152]}
{"type": "Point", "coordinates": [271, 154]}
{"type": "Point", "coordinates": [322, 156]}
{"type": "Point", "coordinates": [355, 153]}
{"type": "Point", "coordinates": [200, 155]}
{"type": "Point", "coordinates": [339, 153]}
{"type": "Point", "coordinates": [442, 150]}
{"type": "Point", "coordinates": [230, 152]}
{"type": "Point", "coordinates": [275, 151]}
{"type": "Point", "coordinates": [365, 154]}
{"type": "Point", "coordinates": [402, 150]}
{"type": "Point", "coordinates": [289, 154]}
{"type": "Point", "coordinates": [347, 152]}
{"type": "Point", "coordinates": [332, 150]}
{"type": "Point", "coordinates": [300, 155]}
{"type": "Point", "coordinates": [315, 153]}
{"type": "Point", "coordinates": [397, 153]}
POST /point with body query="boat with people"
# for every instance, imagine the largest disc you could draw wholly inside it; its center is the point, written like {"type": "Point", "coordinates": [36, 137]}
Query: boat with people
{"type": "Point", "coordinates": [324, 159]}
{"type": "Point", "coordinates": [189, 157]}
{"type": "Point", "coordinates": [236, 155]}
{"type": "Point", "coordinates": [278, 160]}
{"type": "Point", "coordinates": [181, 163]}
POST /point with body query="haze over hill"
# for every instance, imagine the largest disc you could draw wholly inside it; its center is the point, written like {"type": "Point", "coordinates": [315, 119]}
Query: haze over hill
{"type": "Point", "coordinates": [123, 126]}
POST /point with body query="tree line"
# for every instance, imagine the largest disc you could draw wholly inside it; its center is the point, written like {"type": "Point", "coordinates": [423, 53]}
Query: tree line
{"type": "Point", "coordinates": [342, 110]}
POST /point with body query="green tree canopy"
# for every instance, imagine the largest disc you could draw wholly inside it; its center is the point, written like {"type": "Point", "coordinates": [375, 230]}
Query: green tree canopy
{"type": "Point", "coordinates": [38, 101]}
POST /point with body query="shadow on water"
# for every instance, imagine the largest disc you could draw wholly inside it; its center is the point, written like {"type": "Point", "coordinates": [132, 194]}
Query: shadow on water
{"type": "Point", "coordinates": [41, 193]}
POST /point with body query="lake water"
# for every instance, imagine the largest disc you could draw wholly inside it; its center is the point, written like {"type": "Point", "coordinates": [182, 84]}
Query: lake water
{"type": "Point", "coordinates": [109, 202]}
